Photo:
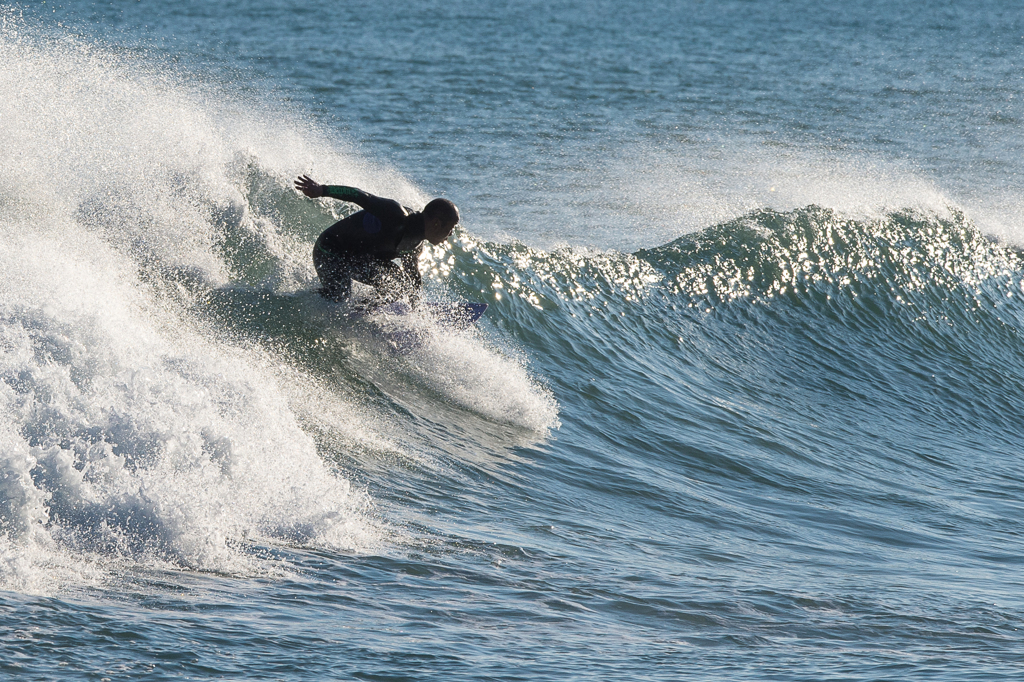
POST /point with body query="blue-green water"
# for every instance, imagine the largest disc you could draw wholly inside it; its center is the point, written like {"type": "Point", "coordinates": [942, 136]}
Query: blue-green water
{"type": "Point", "coordinates": [746, 403]}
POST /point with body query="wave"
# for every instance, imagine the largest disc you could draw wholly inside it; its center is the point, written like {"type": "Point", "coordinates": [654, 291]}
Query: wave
{"type": "Point", "coordinates": [172, 390]}
{"type": "Point", "coordinates": [905, 265]}
{"type": "Point", "coordinates": [915, 311]}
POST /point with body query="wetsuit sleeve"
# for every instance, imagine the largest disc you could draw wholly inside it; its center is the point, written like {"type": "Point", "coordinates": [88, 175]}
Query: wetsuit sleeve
{"type": "Point", "coordinates": [388, 211]}
{"type": "Point", "coordinates": [356, 196]}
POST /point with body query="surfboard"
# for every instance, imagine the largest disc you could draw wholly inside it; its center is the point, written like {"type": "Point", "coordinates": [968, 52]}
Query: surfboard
{"type": "Point", "coordinates": [386, 320]}
{"type": "Point", "coordinates": [459, 315]}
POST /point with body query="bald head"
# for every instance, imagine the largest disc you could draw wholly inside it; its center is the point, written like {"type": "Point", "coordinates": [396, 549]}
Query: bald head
{"type": "Point", "coordinates": [440, 217]}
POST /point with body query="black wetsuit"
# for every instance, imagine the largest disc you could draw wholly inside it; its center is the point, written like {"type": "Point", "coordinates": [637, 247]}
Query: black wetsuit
{"type": "Point", "coordinates": [364, 245]}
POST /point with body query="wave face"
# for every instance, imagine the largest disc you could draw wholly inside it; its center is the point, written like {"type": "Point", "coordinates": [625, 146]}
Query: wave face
{"type": "Point", "coordinates": [785, 444]}
{"type": "Point", "coordinates": [910, 319]}
{"type": "Point", "coordinates": [917, 314]}
{"type": "Point", "coordinates": [780, 395]}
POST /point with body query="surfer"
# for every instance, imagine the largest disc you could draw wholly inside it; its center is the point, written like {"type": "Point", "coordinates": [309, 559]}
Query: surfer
{"type": "Point", "coordinates": [364, 246]}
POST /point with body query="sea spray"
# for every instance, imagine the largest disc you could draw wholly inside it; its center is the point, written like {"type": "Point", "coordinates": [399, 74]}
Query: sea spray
{"type": "Point", "coordinates": [157, 410]}
{"type": "Point", "coordinates": [133, 433]}
{"type": "Point", "coordinates": [133, 443]}
{"type": "Point", "coordinates": [460, 367]}
{"type": "Point", "coordinates": [169, 169]}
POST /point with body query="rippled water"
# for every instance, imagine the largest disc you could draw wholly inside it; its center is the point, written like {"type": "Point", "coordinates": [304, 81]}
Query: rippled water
{"type": "Point", "coordinates": [745, 403]}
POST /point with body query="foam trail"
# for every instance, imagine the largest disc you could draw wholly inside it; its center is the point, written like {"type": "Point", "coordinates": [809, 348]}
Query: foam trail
{"type": "Point", "coordinates": [465, 370]}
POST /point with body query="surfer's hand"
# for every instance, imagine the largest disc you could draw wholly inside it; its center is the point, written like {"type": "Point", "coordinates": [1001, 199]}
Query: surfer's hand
{"type": "Point", "coordinates": [309, 187]}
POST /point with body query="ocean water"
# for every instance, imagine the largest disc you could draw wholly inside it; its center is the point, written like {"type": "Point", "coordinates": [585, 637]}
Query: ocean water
{"type": "Point", "coordinates": [746, 403]}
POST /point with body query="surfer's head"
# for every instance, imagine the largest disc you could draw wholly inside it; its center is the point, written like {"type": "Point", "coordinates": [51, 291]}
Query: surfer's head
{"type": "Point", "coordinates": [440, 217]}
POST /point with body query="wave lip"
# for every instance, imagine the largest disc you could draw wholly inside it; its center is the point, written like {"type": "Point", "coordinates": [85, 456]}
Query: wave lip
{"type": "Point", "coordinates": [902, 256]}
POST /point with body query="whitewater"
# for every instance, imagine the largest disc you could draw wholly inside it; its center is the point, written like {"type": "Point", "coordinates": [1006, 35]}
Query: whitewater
{"type": "Point", "coordinates": [149, 427]}
{"type": "Point", "coordinates": [745, 403]}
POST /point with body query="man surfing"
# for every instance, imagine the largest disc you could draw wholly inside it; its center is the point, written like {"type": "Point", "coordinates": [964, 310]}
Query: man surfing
{"type": "Point", "coordinates": [363, 247]}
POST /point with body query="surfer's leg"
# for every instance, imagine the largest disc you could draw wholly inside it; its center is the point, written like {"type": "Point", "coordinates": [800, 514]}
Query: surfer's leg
{"type": "Point", "coordinates": [336, 273]}
{"type": "Point", "coordinates": [335, 276]}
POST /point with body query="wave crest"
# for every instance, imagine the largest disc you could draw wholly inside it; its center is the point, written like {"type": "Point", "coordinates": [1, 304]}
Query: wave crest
{"type": "Point", "coordinates": [815, 252]}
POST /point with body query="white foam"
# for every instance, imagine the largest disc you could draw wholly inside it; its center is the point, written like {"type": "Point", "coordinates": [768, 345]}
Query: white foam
{"type": "Point", "coordinates": [130, 434]}
{"type": "Point", "coordinates": [127, 438]}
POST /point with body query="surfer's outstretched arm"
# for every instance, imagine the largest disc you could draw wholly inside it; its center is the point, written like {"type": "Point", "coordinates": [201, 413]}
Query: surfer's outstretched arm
{"type": "Point", "coordinates": [314, 190]}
